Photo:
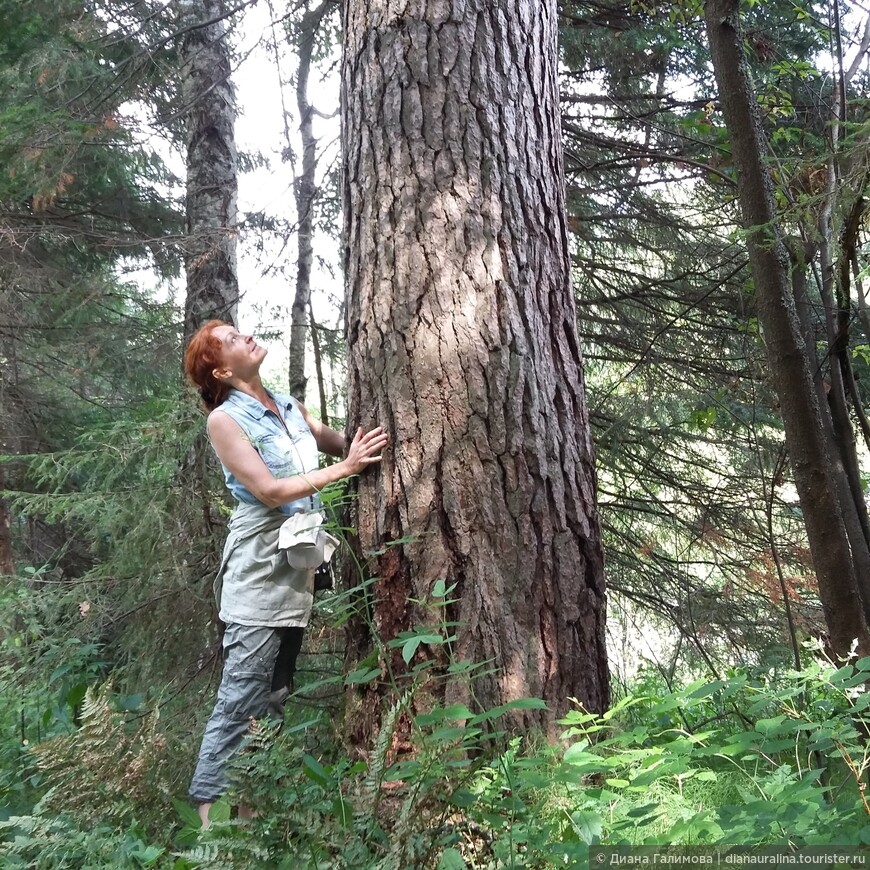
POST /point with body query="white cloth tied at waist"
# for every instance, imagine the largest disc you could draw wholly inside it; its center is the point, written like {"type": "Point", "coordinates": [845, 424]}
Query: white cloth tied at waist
{"type": "Point", "coordinates": [304, 540]}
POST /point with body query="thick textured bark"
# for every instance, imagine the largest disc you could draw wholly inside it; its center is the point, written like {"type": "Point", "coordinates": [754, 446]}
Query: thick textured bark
{"type": "Point", "coordinates": [212, 168]}
{"type": "Point", "coordinates": [787, 355]}
{"type": "Point", "coordinates": [463, 343]}
{"type": "Point", "coordinates": [305, 190]}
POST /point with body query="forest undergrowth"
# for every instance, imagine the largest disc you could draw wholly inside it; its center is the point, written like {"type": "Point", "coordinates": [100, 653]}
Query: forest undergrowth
{"type": "Point", "coordinates": [108, 674]}
{"type": "Point", "coordinates": [95, 778]}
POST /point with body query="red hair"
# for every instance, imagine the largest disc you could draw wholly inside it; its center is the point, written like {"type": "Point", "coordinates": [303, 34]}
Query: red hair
{"type": "Point", "coordinates": [202, 356]}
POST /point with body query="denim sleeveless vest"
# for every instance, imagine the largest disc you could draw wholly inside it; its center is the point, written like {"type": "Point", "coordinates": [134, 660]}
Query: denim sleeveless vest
{"type": "Point", "coordinates": [284, 452]}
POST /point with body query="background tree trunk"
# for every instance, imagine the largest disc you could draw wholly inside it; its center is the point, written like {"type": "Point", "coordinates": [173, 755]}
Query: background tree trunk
{"type": "Point", "coordinates": [7, 562]}
{"type": "Point", "coordinates": [212, 224]}
{"type": "Point", "coordinates": [463, 343]}
{"type": "Point", "coordinates": [7, 444]}
{"type": "Point", "coordinates": [318, 370]}
{"type": "Point", "coordinates": [787, 355]}
{"type": "Point", "coordinates": [212, 168]}
{"type": "Point", "coordinates": [305, 191]}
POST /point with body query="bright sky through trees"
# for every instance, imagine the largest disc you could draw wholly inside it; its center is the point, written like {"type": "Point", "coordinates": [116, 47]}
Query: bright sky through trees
{"type": "Point", "coordinates": [266, 276]}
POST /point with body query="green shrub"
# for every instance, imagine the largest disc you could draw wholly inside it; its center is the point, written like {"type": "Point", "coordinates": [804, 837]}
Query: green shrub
{"type": "Point", "coordinates": [752, 759]}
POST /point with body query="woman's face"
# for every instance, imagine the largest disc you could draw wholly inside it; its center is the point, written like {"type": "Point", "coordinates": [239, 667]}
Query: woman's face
{"type": "Point", "coordinates": [240, 355]}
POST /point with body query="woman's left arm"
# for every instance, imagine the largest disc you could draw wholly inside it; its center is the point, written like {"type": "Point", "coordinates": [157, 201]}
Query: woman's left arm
{"type": "Point", "coordinates": [328, 440]}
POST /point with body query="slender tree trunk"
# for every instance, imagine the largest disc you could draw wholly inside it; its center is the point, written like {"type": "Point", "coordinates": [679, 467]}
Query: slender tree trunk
{"type": "Point", "coordinates": [847, 259]}
{"type": "Point", "coordinates": [787, 356]}
{"type": "Point", "coordinates": [318, 367]}
{"type": "Point", "coordinates": [212, 167]}
{"type": "Point", "coordinates": [837, 315]}
{"type": "Point", "coordinates": [863, 310]}
{"type": "Point", "coordinates": [845, 492]}
{"type": "Point", "coordinates": [8, 445]}
{"type": "Point", "coordinates": [844, 455]}
{"type": "Point", "coordinates": [7, 562]}
{"type": "Point", "coordinates": [305, 191]}
{"type": "Point", "coordinates": [842, 361]}
{"type": "Point", "coordinates": [463, 342]}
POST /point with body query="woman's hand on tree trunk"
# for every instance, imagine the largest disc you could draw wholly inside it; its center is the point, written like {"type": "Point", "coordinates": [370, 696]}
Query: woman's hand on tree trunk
{"type": "Point", "coordinates": [365, 449]}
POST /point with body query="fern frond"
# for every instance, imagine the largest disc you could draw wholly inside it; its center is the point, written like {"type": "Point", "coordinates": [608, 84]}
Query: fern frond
{"type": "Point", "coordinates": [371, 789]}
{"type": "Point", "coordinates": [225, 851]}
{"type": "Point", "coordinates": [104, 770]}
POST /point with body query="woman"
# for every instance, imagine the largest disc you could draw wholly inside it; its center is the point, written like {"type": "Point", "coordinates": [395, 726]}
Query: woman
{"type": "Point", "coordinates": [267, 445]}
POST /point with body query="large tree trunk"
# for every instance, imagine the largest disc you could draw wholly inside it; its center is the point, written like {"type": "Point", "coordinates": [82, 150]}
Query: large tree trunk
{"type": "Point", "coordinates": [463, 343]}
{"type": "Point", "coordinates": [212, 166]}
{"type": "Point", "coordinates": [787, 355]}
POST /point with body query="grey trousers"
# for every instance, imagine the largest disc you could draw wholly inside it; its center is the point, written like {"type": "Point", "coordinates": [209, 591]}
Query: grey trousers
{"type": "Point", "coordinates": [259, 663]}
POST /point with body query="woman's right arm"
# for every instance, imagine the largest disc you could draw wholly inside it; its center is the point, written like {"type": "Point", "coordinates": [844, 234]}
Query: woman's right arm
{"type": "Point", "coordinates": [237, 453]}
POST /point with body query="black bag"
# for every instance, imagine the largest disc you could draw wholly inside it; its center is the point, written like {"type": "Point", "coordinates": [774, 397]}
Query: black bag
{"type": "Point", "coordinates": [324, 579]}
